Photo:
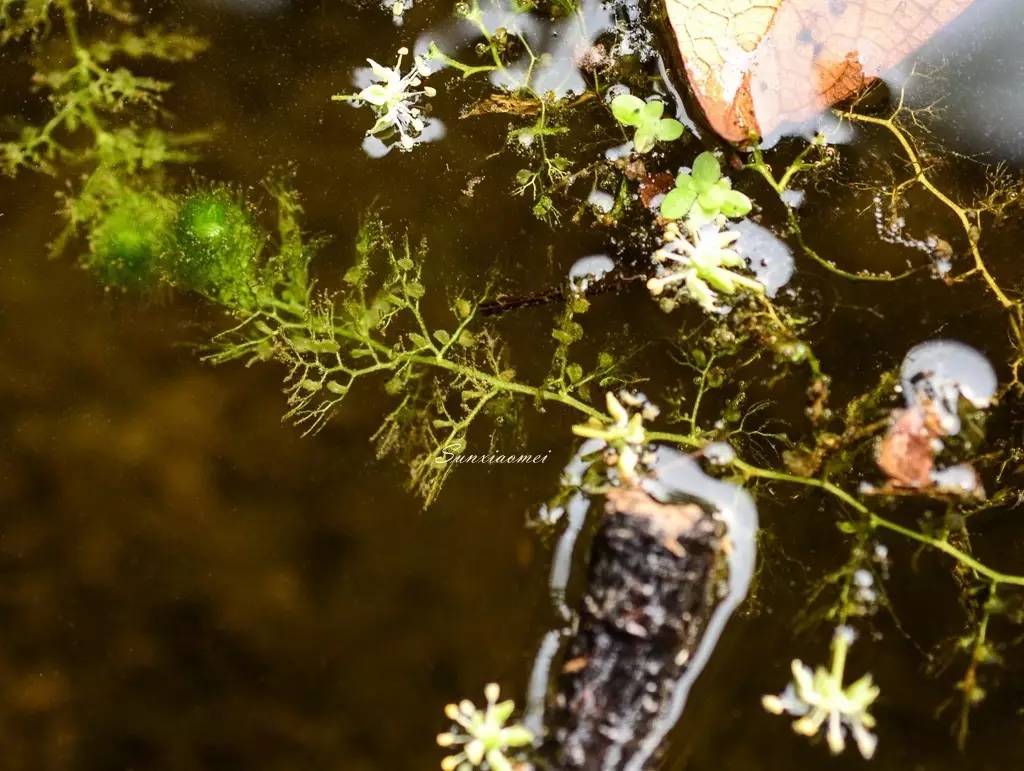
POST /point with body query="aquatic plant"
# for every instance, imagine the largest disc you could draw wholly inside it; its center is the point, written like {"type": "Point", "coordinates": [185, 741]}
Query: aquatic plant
{"type": "Point", "coordinates": [483, 737]}
{"type": "Point", "coordinates": [93, 106]}
{"type": "Point", "coordinates": [702, 194]}
{"type": "Point", "coordinates": [445, 365]}
{"type": "Point", "coordinates": [699, 263]}
{"type": "Point", "coordinates": [216, 245]}
{"type": "Point", "coordinates": [820, 700]}
{"type": "Point", "coordinates": [622, 432]}
{"type": "Point", "coordinates": [646, 118]}
{"type": "Point", "coordinates": [394, 98]}
{"type": "Point", "coordinates": [128, 242]}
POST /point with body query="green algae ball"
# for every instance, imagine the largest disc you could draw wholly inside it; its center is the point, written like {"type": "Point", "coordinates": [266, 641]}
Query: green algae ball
{"type": "Point", "coordinates": [128, 244]}
{"type": "Point", "coordinates": [216, 245]}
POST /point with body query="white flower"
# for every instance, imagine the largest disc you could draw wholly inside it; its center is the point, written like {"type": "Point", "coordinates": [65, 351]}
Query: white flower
{"type": "Point", "coordinates": [394, 98]}
{"type": "Point", "coordinates": [699, 262]}
{"type": "Point", "coordinates": [819, 699]}
{"type": "Point", "coordinates": [623, 433]}
{"type": "Point", "coordinates": [484, 740]}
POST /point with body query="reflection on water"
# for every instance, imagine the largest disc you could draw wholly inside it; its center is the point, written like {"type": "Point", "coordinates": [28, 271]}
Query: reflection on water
{"type": "Point", "coordinates": [971, 73]}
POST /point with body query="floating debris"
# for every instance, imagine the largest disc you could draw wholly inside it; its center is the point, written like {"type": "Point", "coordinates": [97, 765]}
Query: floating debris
{"type": "Point", "coordinates": [769, 257]}
{"type": "Point", "coordinates": [942, 371]}
{"type": "Point", "coordinates": [934, 377]}
{"type": "Point", "coordinates": [671, 560]}
{"type": "Point", "coordinates": [586, 270]}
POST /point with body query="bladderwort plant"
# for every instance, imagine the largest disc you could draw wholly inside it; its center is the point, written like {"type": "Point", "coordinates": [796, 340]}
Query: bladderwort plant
{"type": "Point", "coordinates": [110, 109]}
{"type": "Point", "coordinates": [104, 125]}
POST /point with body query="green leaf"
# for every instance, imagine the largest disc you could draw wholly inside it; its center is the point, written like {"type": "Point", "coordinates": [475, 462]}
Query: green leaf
{"type": "Point", "coordinates": [711, 200]}
{"type": "Point", "coordinates": [442, 336]}
{"type": "Point", "coordinates": [685, 182]}
{"type": "Point", "coordinates": [644, 140]}
{"type": "Point", "coordinates": [415, 290]}
{"type": "Point", "coordinates": [735, 204]}
{"type": "Point", "coordinates": [678, 202]}
{"type": "Point", "coordinates": [706, 169]}
{"type": "Point", "coordinates": [627, 109]}
{"type": "Point", "coordinates": [668, 130]}
{"type": "Point", "coordinates": [575, 373]}
{"type": "Point", "coordinates": [653, 110]}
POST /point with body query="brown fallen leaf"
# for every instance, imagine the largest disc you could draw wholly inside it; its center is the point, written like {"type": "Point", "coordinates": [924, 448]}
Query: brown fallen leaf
{"type": "Point", "coordinates": [654, 185]}
{"type": "Point", "coordinates": [755, 65]}
{"type": "Point", "coordinates": [906, 453]}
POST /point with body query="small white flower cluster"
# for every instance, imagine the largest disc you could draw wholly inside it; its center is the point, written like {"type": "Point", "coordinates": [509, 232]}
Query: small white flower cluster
{"type": "Point", "coordinates": [819, 699]}
{"type": "Point", "coordinates": [394, 98]}
{"type": "Point", "coordinates": [698, 260]}
{"type": "Point", "coordinates": [481, 736]}
{"type": "Point", "coordinates": [623, 432]}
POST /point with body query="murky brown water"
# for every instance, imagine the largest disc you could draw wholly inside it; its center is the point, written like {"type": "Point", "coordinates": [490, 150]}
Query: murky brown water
{"type": "Point", "coordinates": [187, 584]}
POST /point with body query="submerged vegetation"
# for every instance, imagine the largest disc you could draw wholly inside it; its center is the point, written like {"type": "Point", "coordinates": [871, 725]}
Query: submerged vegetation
{"type": "Point", "coordinates": [451, 378]}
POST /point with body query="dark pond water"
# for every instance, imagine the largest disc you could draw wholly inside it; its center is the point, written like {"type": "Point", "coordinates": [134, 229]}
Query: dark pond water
{"type": "Point", "coordinates": [185, 583]}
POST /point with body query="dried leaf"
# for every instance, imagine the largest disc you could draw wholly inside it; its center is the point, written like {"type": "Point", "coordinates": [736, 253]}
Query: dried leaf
{"type": "Point", "coordinates": [654, 185]}
{"type": "Point", "coordinates": [907, 453]}
{"type": "Point", "coordinates": [755, 65]}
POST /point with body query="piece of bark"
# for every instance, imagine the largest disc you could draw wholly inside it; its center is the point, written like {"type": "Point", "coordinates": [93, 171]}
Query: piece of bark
{"type": "Point", "coordinates": [653, 582]}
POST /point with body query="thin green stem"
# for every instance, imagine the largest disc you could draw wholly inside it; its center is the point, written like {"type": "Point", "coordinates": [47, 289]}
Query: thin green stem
{"type": "Point", "coordinates": [971, 230]}
{"type": "Point", "coordinates": [877, 520]}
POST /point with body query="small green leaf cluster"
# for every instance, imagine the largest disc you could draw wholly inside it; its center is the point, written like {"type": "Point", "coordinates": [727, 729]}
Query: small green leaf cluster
{"type": "Point", "coordinates": [568, 376]}
{"type": "Point", "coordinates": [100, 114]}
{"type": "Point", "coordinates": [444, 376]}
{"type": "Point", "coordinates": [646, 118]}
{"type": "Point", "coordinates": [702, 194]}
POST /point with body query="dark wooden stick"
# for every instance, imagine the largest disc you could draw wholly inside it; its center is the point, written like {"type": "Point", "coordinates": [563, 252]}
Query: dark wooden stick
{"type": "Point", "coordinates": [506, 303]}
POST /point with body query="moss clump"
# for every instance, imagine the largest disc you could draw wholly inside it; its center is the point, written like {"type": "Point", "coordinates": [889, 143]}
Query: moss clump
{"type": "Point", "coordinates": [216, 246]}
{"type": "Point", "coordinates": [129, 244]}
